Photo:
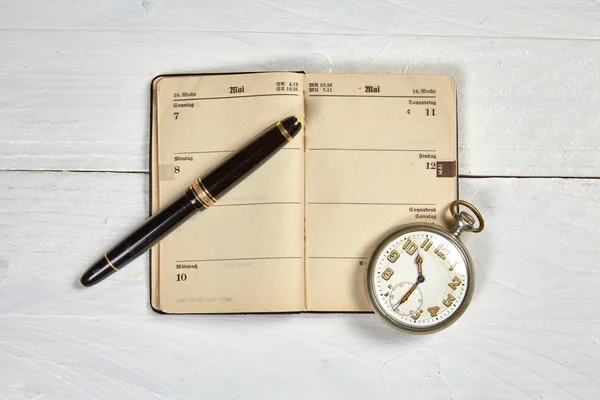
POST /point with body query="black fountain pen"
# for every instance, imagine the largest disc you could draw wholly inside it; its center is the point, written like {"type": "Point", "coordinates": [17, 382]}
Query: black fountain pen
{"type": "Point", "coordinates": [201, 194]}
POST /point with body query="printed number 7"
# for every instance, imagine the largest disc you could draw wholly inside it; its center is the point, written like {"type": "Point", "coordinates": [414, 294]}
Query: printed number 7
{"type": "Point", "coordinates": [176, 115]}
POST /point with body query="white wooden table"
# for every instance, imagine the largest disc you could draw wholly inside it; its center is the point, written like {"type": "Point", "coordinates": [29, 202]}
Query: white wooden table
{"type": "Point", "coordinates": [74, 95]}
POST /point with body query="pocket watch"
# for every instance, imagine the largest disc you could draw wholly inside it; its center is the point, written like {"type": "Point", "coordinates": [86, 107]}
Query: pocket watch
{"type": "Point", "coordinates": [420, 278]}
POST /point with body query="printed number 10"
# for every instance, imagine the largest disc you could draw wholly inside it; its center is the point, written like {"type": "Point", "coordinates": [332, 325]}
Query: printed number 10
{"type": "Point", "coordinates": [181, 277]}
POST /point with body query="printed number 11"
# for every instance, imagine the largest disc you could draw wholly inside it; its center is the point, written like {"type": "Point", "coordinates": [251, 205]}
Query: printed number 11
{"type": "Point", "coordinates": [430, 112]}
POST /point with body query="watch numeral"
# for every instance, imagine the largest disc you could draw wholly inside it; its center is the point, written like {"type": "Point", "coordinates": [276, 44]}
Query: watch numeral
{"type": "Point", "coordinates": [410, 247]}
{"type": "Point", "coordinates": [393, 256]}
{"type": "Point", "coordinates": [387, 274]}
{"type": "Point", "coordinates": [433, 310]}
{"type": "Point", "coordinates": [417, 315]}
{"type": "Point", "coordinates": [448, 301]}
{"type": "Point", "coordinates": [441, 251]}
{"type": "Point", "coordinates": [455, 282]}
{"type": "Point", "coordinates": [426, 244]}
{"type": "Point", "coordinates": [453, 265]}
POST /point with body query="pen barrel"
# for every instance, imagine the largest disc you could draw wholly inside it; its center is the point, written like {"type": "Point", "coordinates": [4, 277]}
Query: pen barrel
{"type": "Point", "coordinates": [144, 237]}
{"type": "Point", "coordinates": [243, 162]}
{"type": "Point", "coordinates": [154, 228]}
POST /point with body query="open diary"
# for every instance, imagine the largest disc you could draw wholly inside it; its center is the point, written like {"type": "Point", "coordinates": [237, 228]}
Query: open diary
{"type": "Point", "coordinates": [376, 151]}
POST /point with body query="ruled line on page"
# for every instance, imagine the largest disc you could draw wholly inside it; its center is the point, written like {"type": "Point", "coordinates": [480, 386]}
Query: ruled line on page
{"type": "Point", "coordinates": [240, 259]}
{"type": "Point", "coordinates": [236, 97]}
{"type": "Point", "coordinates": [260, 204]}
{"type": "Point", "coordinates": [338, 258]}
{"type": "Point", "coordinates": [372, 96]}
{"type": "Point", "coordinates": [368, 203]}
{"type": "Point", "coordinates": [348, 149]}
{"type": "Point", "coordinates": [223, 151]}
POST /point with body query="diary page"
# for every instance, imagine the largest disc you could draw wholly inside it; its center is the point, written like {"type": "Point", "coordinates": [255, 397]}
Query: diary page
{"type": "Point", "coordinates": [246, 253]}
{"type": "Point", "coordinates": [381, 152]}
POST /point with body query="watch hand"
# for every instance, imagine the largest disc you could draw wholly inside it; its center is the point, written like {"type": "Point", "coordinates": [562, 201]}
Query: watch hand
{"type": "Point", "coordinates": [420, 279]}
{"type": "Point", "coordinates": [410, 291]}
{"type": "Point", "coordinates": [403, 299]}
{"type": "Point", "coordinates": [419, 262]}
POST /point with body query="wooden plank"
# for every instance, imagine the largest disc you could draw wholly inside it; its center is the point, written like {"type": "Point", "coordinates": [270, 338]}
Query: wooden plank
{"type": "Point", "coordinates": [55, 224]}
{"type": "Point", "coordinates": [494, 18]}
{"type": "Point", "coordinates": [327, 355]}
{"type": "Point", "coordinates": [531, 332]}
{"type": "Point", "coordinates": [80, 102]}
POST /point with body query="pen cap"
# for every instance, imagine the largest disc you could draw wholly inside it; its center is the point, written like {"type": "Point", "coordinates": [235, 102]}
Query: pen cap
{"type": "Point", "coordinates": [292, 125]}
{"type": "Point", "coordinates": [248, 158]}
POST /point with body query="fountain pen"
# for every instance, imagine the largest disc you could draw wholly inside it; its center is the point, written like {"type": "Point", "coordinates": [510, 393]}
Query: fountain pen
{"type": "Point", "coordinates": [199, 196]}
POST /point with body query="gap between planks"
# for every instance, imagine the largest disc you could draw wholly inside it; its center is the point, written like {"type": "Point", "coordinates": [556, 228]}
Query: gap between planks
{"type": "Point", "coordinates": [459, 176]}
{"type": "Point", "coordinates": [281, 33]}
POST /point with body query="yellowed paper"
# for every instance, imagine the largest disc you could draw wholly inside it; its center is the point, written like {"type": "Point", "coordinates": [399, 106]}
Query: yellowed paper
{"type": "Point", "coordinates": [245, 254]}
{"type": "Point", "coordinates": [297, 234]}
{"type": "Point", "coordinates": [373, 147]}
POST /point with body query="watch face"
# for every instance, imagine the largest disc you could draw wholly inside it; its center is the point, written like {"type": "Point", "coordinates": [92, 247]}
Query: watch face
{"type": "Point", "coordinates": [419, 279]}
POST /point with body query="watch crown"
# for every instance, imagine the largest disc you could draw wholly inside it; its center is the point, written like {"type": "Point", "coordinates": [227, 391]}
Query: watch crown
{"type": "Point", "coordinates": [468, 218]}
{"type": "Point", "coordinates": [464, 221]}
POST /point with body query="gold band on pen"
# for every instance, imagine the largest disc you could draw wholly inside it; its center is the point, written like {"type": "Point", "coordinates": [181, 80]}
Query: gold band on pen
{"type": "Point", "coordinates": [109, 263]}
{"type": "Point", "coordinates": [202, 194]}
{"type": "Point", "coordinates": [210, 196]}
{"type": "Point", "coordinates": [283, 131]}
